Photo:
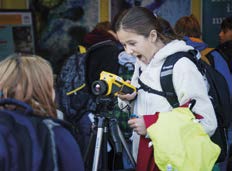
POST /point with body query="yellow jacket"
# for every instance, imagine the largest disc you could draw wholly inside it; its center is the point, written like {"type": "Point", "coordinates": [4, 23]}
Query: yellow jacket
{"type": "Point", "coordinates": [180, 143]}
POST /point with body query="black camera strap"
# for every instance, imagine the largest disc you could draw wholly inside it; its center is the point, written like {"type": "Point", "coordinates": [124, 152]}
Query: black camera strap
{"type": "Point", "coordinates": [151, 90]}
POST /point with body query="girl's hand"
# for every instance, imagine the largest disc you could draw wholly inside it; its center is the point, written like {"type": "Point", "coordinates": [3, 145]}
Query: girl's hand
{"type": "Point", "coordinates": [127, 96]}
{"type": "Point", "coordinates": [138, 125]}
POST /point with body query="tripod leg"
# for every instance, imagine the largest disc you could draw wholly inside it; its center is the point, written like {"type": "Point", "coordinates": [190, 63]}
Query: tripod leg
{"type": "Point", "coordinates": [87, 160]}
{"type": "Point", "coordinates": [105, 149]}
{"type": "Point", "coordinates": [126, 147]}
{"type": "Point", "coordinates": [98, 143]}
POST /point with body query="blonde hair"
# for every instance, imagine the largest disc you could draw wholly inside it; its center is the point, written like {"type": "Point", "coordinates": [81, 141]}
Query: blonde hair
{"type": "Point", "coordinates": [29, 78]}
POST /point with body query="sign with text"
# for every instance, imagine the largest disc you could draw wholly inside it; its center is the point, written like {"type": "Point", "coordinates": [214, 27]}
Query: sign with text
{"type": "Point", "coordinates": [213, 12]}
{"type": "Point", "coordinates": [16, 32]}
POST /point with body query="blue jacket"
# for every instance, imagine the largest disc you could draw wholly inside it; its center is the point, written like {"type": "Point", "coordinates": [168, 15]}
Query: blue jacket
{"type": "Point", "coordinates": [33, 143]}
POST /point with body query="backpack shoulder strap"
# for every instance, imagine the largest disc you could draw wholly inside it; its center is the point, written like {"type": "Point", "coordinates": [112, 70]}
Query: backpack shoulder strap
{"type": "Point", "coordinates": [204, 52]}
{"type": "Point", "coordinates": [167, 71]}
{"type": "Point", "coordinates": [210, 58]}
{"type": "Point", "coordinates": [81, 49]}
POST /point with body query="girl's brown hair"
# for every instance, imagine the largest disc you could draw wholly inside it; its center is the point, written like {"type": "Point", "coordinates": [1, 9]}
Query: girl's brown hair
{"type": "Point", "coordinates": [140, 20]}
{"type": "Point", "coordinates": [29, 79]}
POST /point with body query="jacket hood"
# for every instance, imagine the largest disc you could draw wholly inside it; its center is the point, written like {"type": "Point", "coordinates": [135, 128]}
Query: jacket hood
{"type": "Point", "coordinates": [196, 43]}
{"type": "Point", "coordinates": [171, 48]}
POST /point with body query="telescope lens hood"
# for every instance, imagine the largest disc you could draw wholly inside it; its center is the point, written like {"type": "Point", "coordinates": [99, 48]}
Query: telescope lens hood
{"type": "Point", "coordinates": [99, 87]}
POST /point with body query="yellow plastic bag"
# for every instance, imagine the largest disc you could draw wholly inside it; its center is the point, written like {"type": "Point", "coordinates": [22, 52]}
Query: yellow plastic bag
{"type": "Point", "coordinates": [180, 142]}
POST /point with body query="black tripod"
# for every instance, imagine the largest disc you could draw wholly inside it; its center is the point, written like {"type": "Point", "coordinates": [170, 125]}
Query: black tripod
{"type": "Point", "coordinates": [105, 127]}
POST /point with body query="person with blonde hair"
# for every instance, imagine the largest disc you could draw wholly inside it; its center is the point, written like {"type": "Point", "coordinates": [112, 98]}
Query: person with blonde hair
{"type": "Point", "coordinates": [49, 143]}
{"type": "Point", "coordinates": [29, 79]}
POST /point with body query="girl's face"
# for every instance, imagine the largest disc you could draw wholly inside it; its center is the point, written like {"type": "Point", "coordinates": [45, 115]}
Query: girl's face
{"type": "Point", "coordinates": [137, 45]}
{"type": "Point", "coordinates": [225, 36]}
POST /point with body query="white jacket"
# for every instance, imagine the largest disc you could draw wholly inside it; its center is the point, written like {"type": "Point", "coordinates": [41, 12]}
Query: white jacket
{"type": "Point", "coordinates": [188, 83]}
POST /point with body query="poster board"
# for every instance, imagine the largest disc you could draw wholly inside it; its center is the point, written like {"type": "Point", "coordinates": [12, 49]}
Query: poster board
{"type": "Point", "coordinates": [213, 13]}
{"type": "Point", "coordinates": [16, 32]}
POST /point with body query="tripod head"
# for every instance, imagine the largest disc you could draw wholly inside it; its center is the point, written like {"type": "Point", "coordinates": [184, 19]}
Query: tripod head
{"type": "Point", "coordinates": [105, 105]}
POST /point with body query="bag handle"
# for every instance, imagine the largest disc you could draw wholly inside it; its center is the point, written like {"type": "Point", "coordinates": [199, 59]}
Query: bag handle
{"type": "Point", "coordinates": [28, 109]}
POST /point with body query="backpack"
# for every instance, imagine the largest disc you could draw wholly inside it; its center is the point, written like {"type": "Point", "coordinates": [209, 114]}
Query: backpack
{"type": "Point", "coordinates": [30, 142]}
{"type": "Point", "coordinates": [70, 80]}
{"type": "Point", "coordinates": [218, 61]}
{"type": "Point", "coordinates": [218, 92]}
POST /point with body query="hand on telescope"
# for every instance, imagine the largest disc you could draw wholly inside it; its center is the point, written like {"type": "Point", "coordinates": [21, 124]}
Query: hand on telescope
{"type": "Point", "coordinates": [138, 125]}
{"type": "Point", "coordinates": [127, 96]}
